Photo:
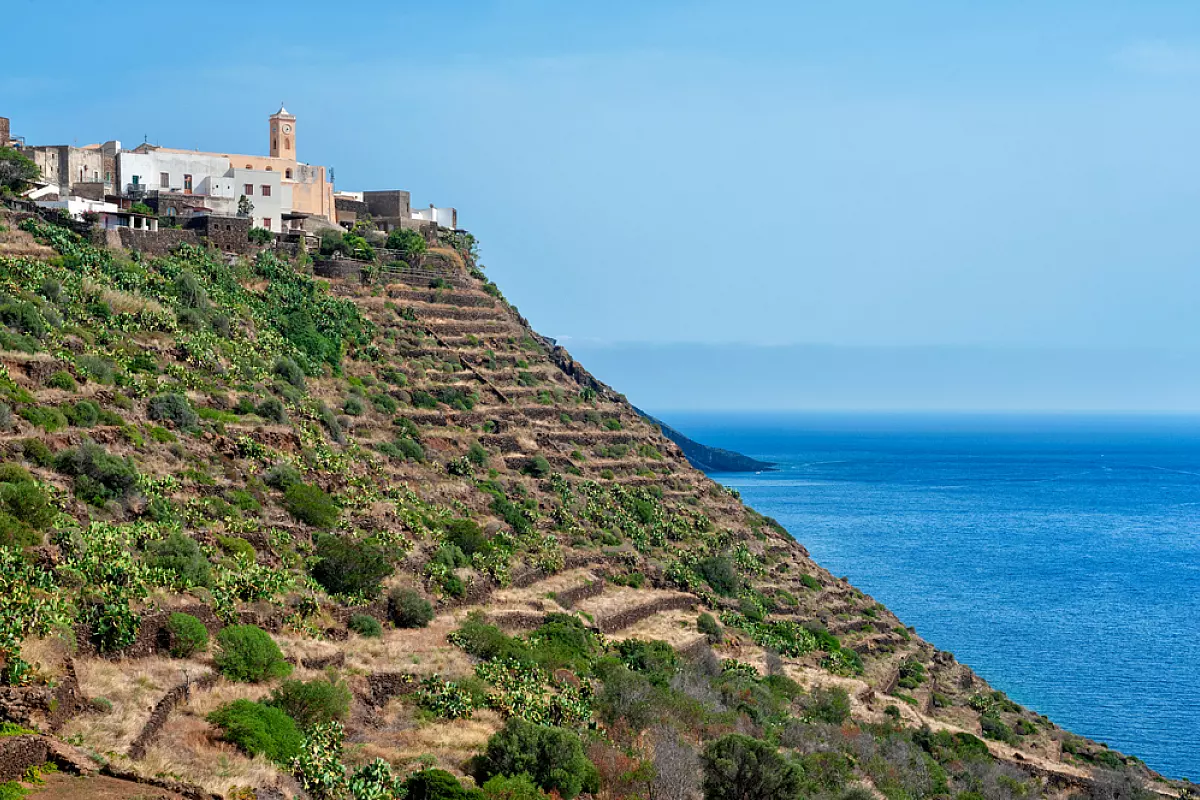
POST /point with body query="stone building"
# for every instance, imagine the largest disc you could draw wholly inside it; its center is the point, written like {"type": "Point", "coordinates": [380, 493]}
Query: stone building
{"type": "Point", "coordinates": [77, 171]}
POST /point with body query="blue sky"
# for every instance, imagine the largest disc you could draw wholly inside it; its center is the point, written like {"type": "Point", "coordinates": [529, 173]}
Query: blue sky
{"type": "Point", "coordinates": [870, 175]}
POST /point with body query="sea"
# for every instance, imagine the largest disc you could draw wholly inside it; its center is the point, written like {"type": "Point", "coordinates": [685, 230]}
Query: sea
{"type": "Point", "coordinates": [1057, 555]}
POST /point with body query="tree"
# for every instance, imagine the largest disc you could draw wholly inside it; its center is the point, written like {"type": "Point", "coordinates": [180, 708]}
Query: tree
{"type": "Point", "coordinates": [738, 767]}
{"type": "Point", "coordinates": [16, 171]}
{"type": "Point", "coordinates": [408, 242]}
{"type": "Point", "coordinates": [245, 207]}
{"type": "Point", "coordinates": [552, 757]}
{"type": "Point", "coordinates": [676, 766]}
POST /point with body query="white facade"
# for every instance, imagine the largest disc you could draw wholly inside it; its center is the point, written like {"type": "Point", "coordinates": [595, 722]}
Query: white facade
{"type": "Point", "coordinates": [175, 172]}
{"type": "Point", "coordinates": [266, 190]}
{"type": "Point", "coordinates": [111, 215]}
{"type": "Point", "coordinates": [444, 217]}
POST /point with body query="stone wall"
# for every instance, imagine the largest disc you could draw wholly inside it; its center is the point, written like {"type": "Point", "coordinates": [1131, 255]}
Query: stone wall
{"type": "Point", "coordinates": [228, 234]}
{"type": "Point", "coordinates": [5, 131]}
{"type": "Point", "coordinates": [157, 243]}
{"type": "Point", "coordinates": [392, 204]}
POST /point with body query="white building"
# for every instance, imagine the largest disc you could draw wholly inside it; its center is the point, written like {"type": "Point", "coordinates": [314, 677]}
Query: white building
{"type": "Point", "coordinates": [444, 217]}
{"type": "Point", "coordinates": [214, 183]}
{"type": "Point", "coordinates": [110, 216]}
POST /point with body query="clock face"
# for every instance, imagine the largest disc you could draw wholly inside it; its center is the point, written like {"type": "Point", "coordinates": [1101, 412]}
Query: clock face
{"type": "Point", "coordinates": [287, 128]}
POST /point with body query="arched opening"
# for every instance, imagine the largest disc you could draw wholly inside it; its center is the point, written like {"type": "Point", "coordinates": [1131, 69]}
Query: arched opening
{"type": "Point", "coordinates": [287, 173]}
{"type": "Point", "coordinates": [287, 143]}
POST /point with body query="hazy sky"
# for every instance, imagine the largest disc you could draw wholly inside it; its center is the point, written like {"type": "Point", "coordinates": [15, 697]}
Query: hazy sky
{"type": "Point", "coordinates": [1019, 174]}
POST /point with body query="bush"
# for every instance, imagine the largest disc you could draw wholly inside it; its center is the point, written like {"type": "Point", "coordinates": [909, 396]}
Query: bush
{"type": "Point", "coordinates": [410, 450]}
{"type": "Point", "coordinates": [737, 766]}
{"type": "Point", "coordinates": [488, 642]}
{"type": "Point", "coordinates": [552, 757]}
{"type": "Point", "coordinates": [48, 419]}
{"type": "Point", "coordinates": [236, 546]}
{"type": "Point", "coordinates": [708, 625]}
{"type": "Point", "coordinates": [175, 408]}
{"type": "Point", "coordinates": [831, 705]}
{"type": "Point", "coordinates": [518, 787]}
{"type": "Point", "coordinates": [310, 504]}
{"type": "Point", "coordinates": [99, 475]}
{"type": "Point", "coordinates": [281, 476]}
{"type": "Point", "coordinates": [311, 703]}
{"type": "Point", "coordinates": [539, 467]}
{"type": "Point", "coordinates": [96, 369]}
{"type": "Point", "coordinates": [366, 626]}
{"type": "Point", "coordinates": [349, 566]}
{"type": "Point", "coordinates": [187, 635]}
{"type": "Point", "coordinates": [38, 452]}
{"type": "Point", "coordinates": [260, 235]}
{"type": "Point", "coordinates": [408, 609]}
{"type": "Point", "coordinates": [272, 410]}
{"type": "Point", "coordinates": [353, 406]}
{"type": "Point", "coordinates": [62, 380]}
{"type": "Point", "coordinates": [466, 535]}
{"type": "Point", "coordinates": [477, 454]}
{"type": "Point", "coordinates": [436, 784]}
{"type": "Point", "coordinates": [406, 241]}
{"type": "Point", "coordinates": [259, 728]}
{"type": "Point", "coordinates": [719, 572]}
{"type": "Point", "coordinates": [181, 555]}
{"type": "Point", "coordinates": [248, 653]}
{"type": "Point", "coordinates": [83, 414]}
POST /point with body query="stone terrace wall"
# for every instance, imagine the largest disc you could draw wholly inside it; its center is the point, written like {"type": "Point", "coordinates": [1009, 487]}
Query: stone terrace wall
{"type": "Point", "coordinates": [157, 243]}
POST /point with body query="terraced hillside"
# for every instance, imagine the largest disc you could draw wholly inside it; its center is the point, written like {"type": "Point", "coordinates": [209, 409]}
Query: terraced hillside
{"type": "Point", "coordinates": [369, 535]}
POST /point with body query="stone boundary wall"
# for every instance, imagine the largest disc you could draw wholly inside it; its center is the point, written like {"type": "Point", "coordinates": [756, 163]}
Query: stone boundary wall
{"type": "Point", "coordinates": [42, 706]}
{"type": "Point", "coordinates": [630, 616]}
{"type": "Point", "coordinates": [569, 597]}
{"type": "Point", "coordinates": [383, 686]}
{"type": "Point", "coordinates": [157, 243]}
{"type": "Point", "coordinates": [162, 711]}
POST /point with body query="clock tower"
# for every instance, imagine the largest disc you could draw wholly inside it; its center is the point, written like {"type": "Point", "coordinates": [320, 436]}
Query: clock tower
{"type": "Point", "coordinates": [283, 135]}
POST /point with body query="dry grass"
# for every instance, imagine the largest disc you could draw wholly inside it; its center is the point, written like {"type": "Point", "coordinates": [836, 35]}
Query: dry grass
{"type": "Point", "coordinates": [188, 750]}
{"type": "Point", "coordinates": [133, 687]}
{"type": "Point", "coordinates": [449, 743]}
{"type": "Point", "coordinates": [422, 651]}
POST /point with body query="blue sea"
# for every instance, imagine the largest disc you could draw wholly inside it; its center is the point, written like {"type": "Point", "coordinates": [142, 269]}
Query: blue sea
{"type": "Point", "coordinates": [1059, 556]}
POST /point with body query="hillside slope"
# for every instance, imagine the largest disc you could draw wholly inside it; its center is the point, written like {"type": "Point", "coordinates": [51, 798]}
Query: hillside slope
{"type": "Point", "coordinates": [448, 527]}
{"type": "Point", "coordinates": [705, 457]}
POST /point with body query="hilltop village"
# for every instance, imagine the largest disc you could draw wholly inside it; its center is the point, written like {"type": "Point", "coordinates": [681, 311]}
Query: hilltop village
{"type": "Point", "coordinates": [295, 504]}
{"type": "Point", "coordinates": [204, 195]}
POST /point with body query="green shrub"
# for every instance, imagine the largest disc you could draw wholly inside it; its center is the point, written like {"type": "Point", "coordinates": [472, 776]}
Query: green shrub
{"type": "Point", "coordinates": [384, 403]}
{"type": "Point", "coordinates": [408, 609]}
{"type": "Point", "coordinates": [187, 635]}
{"type": "Point", "coordinates": [552, 757]}
{"type": "Point", "coordinates": [99, 476]}
{"type": "Point", "coordinates": [62, 380]}
{"type": "Point", "coordinates": [477, 454]}
{"type": "Point", "coordinates": [236, 546]}
{"type": "Point", "coordinates": [96, 369]}
{"type": "Point", "coordinates": [408, 242]}
{"type": "Point", "coordinates": [423, 399]}
{"type": "Point", "coordinates": [466, 535]}
{"type": "Point", "coordinates": [436, 784]}
{"type": "Point", "coordinates": [248, 653]}
{"type": "Point", "coordinates": [83, 414]}
{"type": "Point", "coordinates": [311, 505]}
{"type": "Point", "coordinates": [311, 703]}
{"type": "Point", "coordinates": [281, 476]}
{"type": "Point", "coordinates": [539, 467]}
{"type": "Point", "coordinates": [272, 410]}
{"type": "Point", "coordinates": [410, 450]}
{"type": "Point", "coordinates": [517, 787]}
{"type": "Point", "coordinates": [831, 705]}
{"type": "Point", "coordinates": [351, 567]}
{"type": "Point", "coordinates": [488, 642]}
{"type": "Point", "coordinates": [994, 728]}
{"type": "Point", "coordinates": [738, 767]}
{"type": "Point", "coordinates": [720, 573]}
{"type": "Point", "coordinates": [47, 418]}
{"type": "Point", "coordinates": [708, 625]}
{"type": "Point", "coordinates": [259, 728]}
{"type": "Point", "coordinates": [38, 452]}
{"type": "Point", "coordinates": [353, 406]}
{"type": "Point", "coordinates": [810, 582]}
{"type": "Point", "coordinates": [260, 235]}
{"type": "Point", "coordinates": [175, 408]}
{"type": "Point", "coordinates": [366, 626]}
{"type": "Point", "coordinates": [182, 556]}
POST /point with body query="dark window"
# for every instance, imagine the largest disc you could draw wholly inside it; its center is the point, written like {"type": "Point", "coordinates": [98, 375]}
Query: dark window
{"type": "Point", "coordinates": [287, 174]}
{"type": "Point", "coordinates": [266, 190]}
{"type": "Point", "coordinates": [249, 189]}
{"type": "Point", "coordinates": [187, 183]}
{"type": "Point", "coordinates": [164, 179]}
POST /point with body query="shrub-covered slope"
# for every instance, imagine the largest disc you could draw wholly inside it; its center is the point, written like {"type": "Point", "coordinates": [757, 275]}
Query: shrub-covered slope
{"type": "Point", "coordinates": [373, 536]}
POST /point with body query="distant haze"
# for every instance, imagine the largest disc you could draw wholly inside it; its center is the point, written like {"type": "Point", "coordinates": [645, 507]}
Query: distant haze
{"type": "Point", "coordinates": [822, 378]}
{"type": "Point", "coordinates": [1008, 176]}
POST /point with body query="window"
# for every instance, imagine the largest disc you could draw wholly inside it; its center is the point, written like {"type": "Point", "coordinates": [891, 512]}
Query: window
{"type": "Point", "coordinates": [267, 223]}
{"type": "Point", "coordinates": [266, 190]}
{"type": "Point", "coordinates": [249, 167]}
{"type": "Point", "coordinates": [287, 173]}
{"type": "Point", "coordinates": [270, 169]}
{"type": "Point", "coordinates": [274, 144]}
{"type": "Point", "coordinates": [248, 190]}
{"type": "Point", "coordinates": [136, 179]}
{"type": "Point", "coordinates": [287, 143]}
{"type": "Point", "coordinates": [171, 212]}
{"type": "Point", "coordinates": [187, 183]}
